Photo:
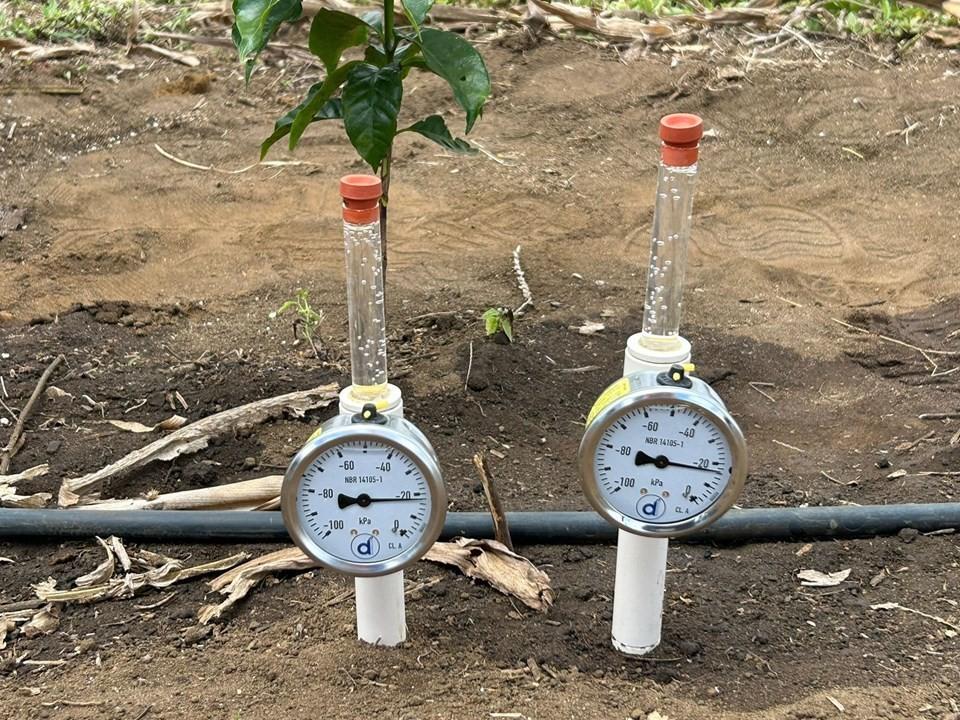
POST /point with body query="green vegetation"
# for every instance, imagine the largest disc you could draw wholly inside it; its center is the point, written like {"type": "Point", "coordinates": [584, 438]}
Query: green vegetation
{"type": "Point", "coordinates": [307, 321]}
{"type": "Point", "coordinates": [497, 320]}
{"type": "Point", "coordinates": [879, 18]}
{"type": "Point", "coordinates": [366, 94]}
{"type": "Point", "coordinates": [97, 20]}
{"type": "Point", "coordinates": [869, 18]}
{"type": "Point", "coordinates": [108, 20]}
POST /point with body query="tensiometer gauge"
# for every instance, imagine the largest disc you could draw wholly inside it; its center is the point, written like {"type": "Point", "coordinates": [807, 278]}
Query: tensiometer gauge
{"type": "Point", "coordinates": [661, 455]}
{"type": "Point", "coordinates": [365, 495]}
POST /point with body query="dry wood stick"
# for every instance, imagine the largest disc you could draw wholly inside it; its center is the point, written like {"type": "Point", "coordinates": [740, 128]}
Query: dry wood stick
{"type": "Point", "coordinates": [500, 528]}
{"type": "Point", "coordinates": [22, 605]}
{"type": "Point", "coordinates": [15, 442]}
{"type": "Point", "coordinates": [522, 284]}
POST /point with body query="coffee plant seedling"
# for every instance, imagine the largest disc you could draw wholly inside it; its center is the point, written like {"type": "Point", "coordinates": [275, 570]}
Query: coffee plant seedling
{"type": "Point", "coordinates": [367, 93]}
{"type": "Point", "coordinates": [497, 320]}
{"type": "Point", "coordinates": [308, 320]}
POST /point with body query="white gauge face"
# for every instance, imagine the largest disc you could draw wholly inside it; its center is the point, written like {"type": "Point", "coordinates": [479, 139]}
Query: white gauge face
{"type": "Point", "coordinates": [363, 502]}
{"type": "Point", "coordinates": [662, 463]}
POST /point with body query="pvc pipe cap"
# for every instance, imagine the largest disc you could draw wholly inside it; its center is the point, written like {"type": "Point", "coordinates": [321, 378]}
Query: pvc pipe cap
{"type": "Point", "coordinates": [361, 198]}
{"type": "Point", "coordinates": [680, 133]}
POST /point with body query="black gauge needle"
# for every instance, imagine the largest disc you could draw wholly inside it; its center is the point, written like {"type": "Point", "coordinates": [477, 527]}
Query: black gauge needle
{"type": "Point", "coordinates": [692, 467]}
{"type": "Point", "coordinates": [644, 459]}
{"type": "Point", "coordinates": [662, 461]}
{"type": "Point", "coordinates": [363, 500]}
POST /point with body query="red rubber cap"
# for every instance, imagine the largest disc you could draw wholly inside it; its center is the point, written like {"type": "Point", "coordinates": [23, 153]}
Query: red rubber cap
{"type": "Point", "coordinates": [680, 133]}
{"type": "Point", "coordinates": [360, 187]}
{"type": "Point", "coordinates": [361, 198]}
{"type": "Point", "coordinates": [681, 129]}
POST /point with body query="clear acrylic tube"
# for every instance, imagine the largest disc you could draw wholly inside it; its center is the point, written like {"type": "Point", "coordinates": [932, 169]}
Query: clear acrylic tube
{"type": "Point", "coordinates": [365, 309]}
{"type": "Point", "coordinates": [668, 256]}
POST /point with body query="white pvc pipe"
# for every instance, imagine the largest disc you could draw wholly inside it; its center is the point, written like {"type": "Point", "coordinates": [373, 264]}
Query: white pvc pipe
{"type": "Point", "coordinates": [638, 592]}
{"type": "Point", "coordinates": [381, 610]}
{"type": "Point", "coordinates": [381, 606]}
{"type": "Point", "coordinates": [641, 561]}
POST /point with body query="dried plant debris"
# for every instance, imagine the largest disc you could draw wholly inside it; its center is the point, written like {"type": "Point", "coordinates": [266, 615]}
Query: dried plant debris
{"type": "Point", "coordinates": [29, 474]}
{"type": "Point", "coordinates": [7, 626]}
{"type": "Point", "coordinates": [237, 583]}
{"type": "Point", "coordinates": [616, 29]}
{"type": "Point", "coordinates": [588, 328]}
{"type": "Point", "coordinates": [948, 37]}
{"type": "Point", "coordinates": [155, 571]}
{"type": "Point", "coordinates": [103, 572]}
{"type": "Point", "coordinates": [9, 497]}
{"type": "Point", "coordinates": [485, 560]}
{"type": "Point", "coordinates": [31, 622]}
{"type": "Point", "coordinates": [492, 562]}
{"type": "Point", "coordinates": [196, 436]}
{"type": "Point", "coordinates": [174, 422]}
{"type": "Point", "coordinates": [43, 622]}
{"type": "Point", "coordinates": [815, 578]}
{"type": "Point", "coordinates": [952, 629]}
{"type": "Point", "coordinates": [256, 494]}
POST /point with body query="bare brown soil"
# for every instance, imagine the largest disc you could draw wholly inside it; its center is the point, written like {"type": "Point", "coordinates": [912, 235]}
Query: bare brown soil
{"type": "Point", "coordinates": [153, 278]}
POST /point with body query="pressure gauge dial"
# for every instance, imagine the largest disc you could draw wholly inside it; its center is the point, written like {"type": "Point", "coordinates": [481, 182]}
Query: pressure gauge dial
{"type": "Point", "coordinates": [364, 496]}
{"type": "Point", "coordinates": [661, 455]}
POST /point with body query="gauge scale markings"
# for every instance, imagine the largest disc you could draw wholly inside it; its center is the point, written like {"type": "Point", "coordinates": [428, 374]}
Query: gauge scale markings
{"type": "Point", "coordinates": [661, 480]}
{"type": "Point", "coordinates": [357, 526]}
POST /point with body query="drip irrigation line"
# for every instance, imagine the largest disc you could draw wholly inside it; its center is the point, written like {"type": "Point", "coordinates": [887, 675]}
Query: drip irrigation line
{"type": "Point", "coordinates": [526, 528]}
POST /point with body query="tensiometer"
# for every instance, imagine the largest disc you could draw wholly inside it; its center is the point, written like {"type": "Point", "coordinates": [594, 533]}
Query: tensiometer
{"type": "Point", "coordinates": [661, 455]}
{"type": "Point", "coordinates": [365, 495]}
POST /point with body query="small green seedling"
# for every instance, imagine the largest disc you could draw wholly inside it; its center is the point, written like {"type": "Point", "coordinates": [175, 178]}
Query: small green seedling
{"type": "Point", "coordinates": [497, 320]}
{"type": "Point", "coordinates": [308, 320]}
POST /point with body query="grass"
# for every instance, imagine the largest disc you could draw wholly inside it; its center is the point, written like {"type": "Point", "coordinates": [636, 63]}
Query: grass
{"type": "Point", "coordinates": [107, 20]}
{"type": "Point", "coordinates": [867, 18]}
{"type": "Point", "coordinates": [881, 18]}
{"type": "Point", "coordinates": [98, 20]}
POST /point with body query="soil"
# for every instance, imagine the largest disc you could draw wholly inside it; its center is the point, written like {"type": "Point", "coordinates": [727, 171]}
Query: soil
{"type": "Point", "coordinates": [154, 279]}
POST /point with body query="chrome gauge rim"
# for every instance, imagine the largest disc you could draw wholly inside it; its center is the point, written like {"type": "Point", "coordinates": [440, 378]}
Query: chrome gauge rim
{"type": "Point", "coordinates": [398, 434]}
{"type": "Point", "coordinates": [645, 397]}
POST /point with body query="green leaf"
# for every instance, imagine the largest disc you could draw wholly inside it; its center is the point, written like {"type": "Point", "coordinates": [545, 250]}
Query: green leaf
{"type": "Point", "coordinates": [312, 106]}
{"type": "Point", "coordinates": [374, 55]}
{"type": "Point", "coordinates": [374, 18]}
{"type": "Point", "coordinates": [254, 23]}
{"type": "Point", "coordinates": [506, 324]}
{"type": "Point", "coordinates": [457, 61]}
{"type": "Point", "coordinates": [416, 11]}
{"type": "Point", "coordinates": [333, 32]}
{"type": "Point", "coordinates": [406, 52]}
{"type": "Point", "coordinates": [434, 128]}
{"type": "Point", "coordinates": [371, 102]}
{"type": "Point", "coordinates": [491, 321]}
{"type": "Point", "coordinates": [331, 110]}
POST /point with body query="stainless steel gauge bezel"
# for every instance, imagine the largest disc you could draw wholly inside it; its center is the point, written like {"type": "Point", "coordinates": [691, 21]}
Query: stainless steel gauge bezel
{"type": "Point", "coordinates": [699, 399]}
{"type": "Point", "coordinates": [396, 433]}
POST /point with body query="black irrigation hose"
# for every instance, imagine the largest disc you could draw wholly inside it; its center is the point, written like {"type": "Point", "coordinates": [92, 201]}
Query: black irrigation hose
{"type": "Point", "coordinates": [526, 528]}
